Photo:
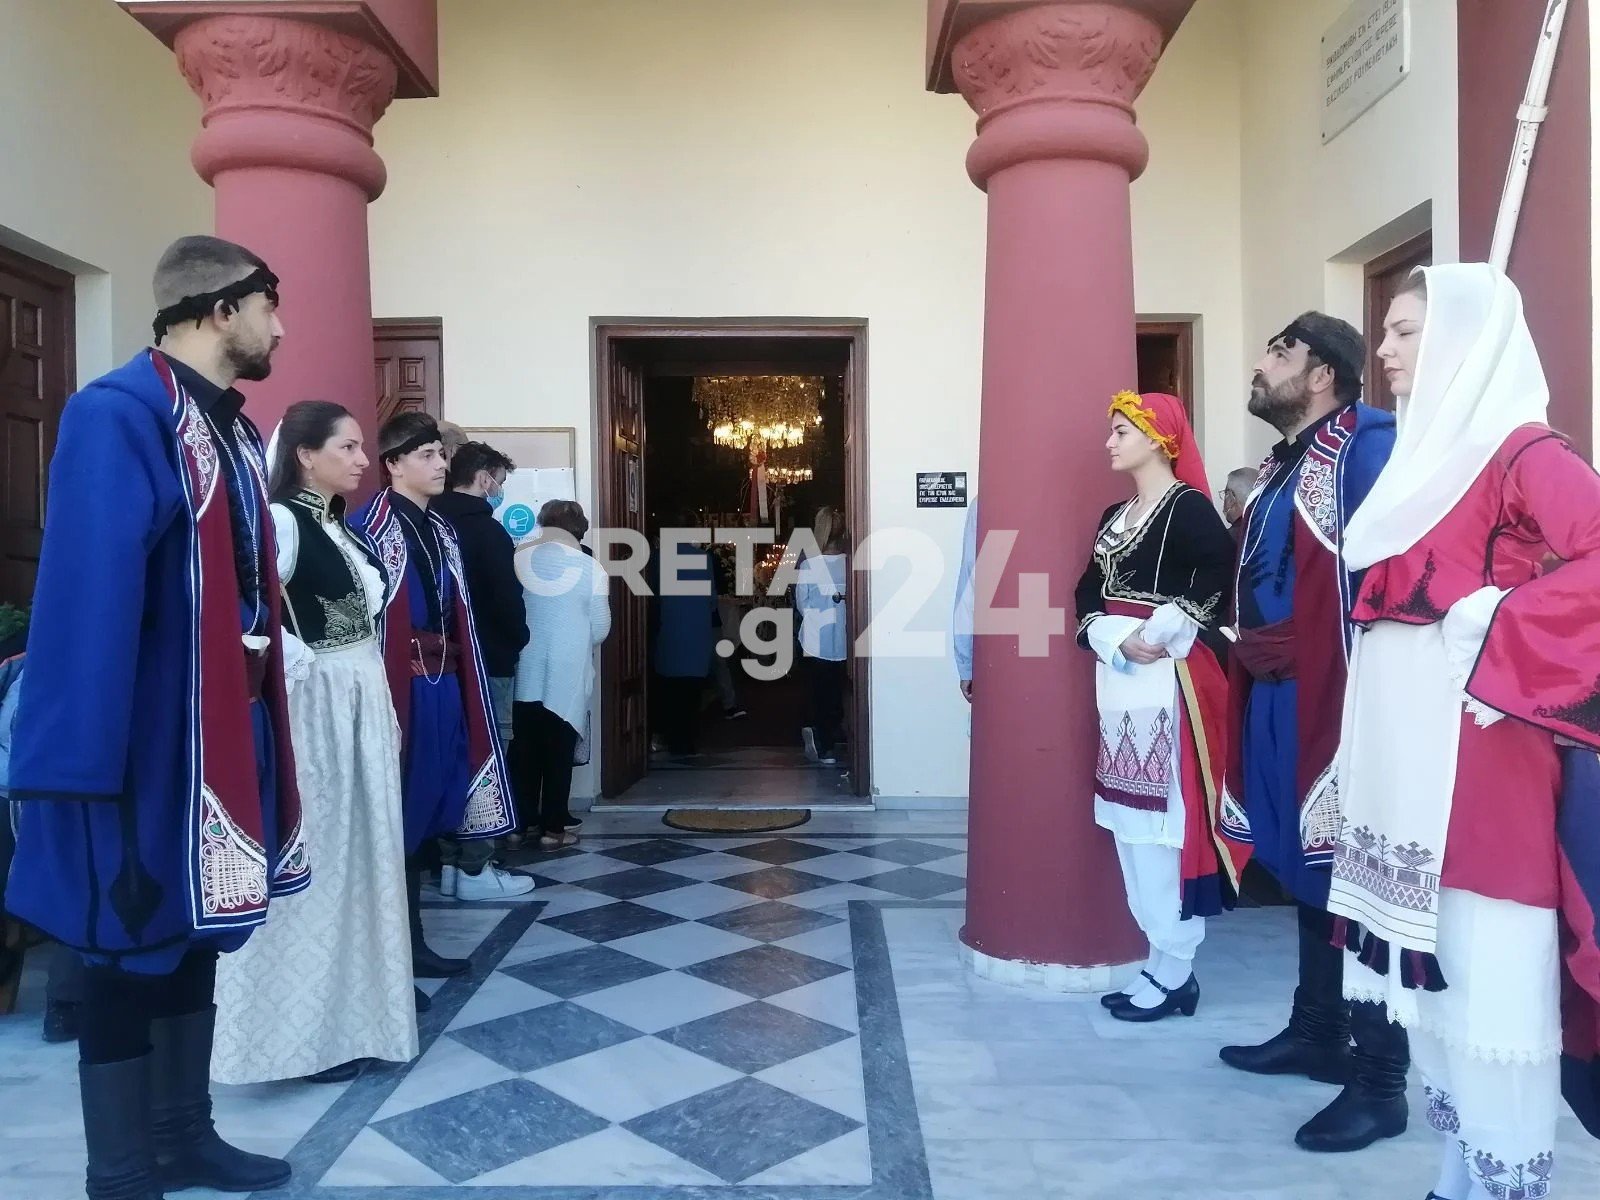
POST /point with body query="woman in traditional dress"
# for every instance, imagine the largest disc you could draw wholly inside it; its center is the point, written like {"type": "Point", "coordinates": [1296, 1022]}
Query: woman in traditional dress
{"type": "Point", "coordinates": [1150, 605]}
{"type": "Point", "coordinates": [1467, 874]}
{"type": "Point", "coordinates": [326, 985]}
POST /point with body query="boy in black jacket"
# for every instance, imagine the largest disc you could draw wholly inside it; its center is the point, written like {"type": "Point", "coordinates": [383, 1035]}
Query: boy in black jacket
{"type": "Point", "coordinates": [477, 476]}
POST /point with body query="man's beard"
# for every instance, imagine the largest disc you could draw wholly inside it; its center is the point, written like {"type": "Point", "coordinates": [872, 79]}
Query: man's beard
{"type": "Point", "coordinates": [1283, 406]}
{"type": "Point", "coordinates": [248, 363]}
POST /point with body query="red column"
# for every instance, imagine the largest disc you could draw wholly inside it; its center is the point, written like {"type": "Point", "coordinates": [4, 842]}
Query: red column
{"type": "Point", "coordinates": [286, 142]}
{"type": "Point", "coordinates": [1053, 85]}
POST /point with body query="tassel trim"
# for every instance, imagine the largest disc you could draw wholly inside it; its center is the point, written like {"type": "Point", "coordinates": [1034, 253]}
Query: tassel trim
{"type": "Point", "coordinates": [1419, 970]}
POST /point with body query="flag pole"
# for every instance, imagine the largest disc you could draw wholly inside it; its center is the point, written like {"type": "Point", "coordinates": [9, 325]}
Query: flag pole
{"type": "Point", "coordinates": [1530, 116]}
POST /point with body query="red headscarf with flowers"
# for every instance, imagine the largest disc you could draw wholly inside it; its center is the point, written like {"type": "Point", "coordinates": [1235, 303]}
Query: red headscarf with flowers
{"type": "Point", "coordinates": [1161, 419]}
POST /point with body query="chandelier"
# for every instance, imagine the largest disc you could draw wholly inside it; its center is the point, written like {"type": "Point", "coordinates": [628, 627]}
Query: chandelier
{"type": "Point", "coordinates": [759, 411]}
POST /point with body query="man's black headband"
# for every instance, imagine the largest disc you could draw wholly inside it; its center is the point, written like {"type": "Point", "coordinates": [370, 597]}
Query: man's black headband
{"type": "Point", "coordinates": [1295, 333]}
{"type": "Point", "coordinates": [417, 441]}
{"type": "Point", "coordinates": [198, 308]}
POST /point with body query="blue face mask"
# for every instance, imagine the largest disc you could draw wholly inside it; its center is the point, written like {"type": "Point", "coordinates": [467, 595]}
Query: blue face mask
{"type": "Point", "coordinates": [496, 500]}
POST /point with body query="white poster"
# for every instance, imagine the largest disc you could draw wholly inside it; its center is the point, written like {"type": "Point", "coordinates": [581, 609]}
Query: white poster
{"type": "Point", "coordinates": [526, 491]}
{"type": "Point", "coordinates": [1366, 53]}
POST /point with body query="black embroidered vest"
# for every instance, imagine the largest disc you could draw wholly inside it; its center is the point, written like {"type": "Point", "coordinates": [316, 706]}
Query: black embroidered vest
{"type": "Point", "coordinates": [326, 607]}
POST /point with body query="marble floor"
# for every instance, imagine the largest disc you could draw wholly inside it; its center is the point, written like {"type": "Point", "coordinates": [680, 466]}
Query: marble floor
{"type": "Point", "coordinates": [673, 1017]}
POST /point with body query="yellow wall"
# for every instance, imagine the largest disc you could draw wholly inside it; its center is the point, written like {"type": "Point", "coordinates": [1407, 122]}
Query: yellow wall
{"type": "Point", "coordinates": [94, 161]}
{"type": "Point", "coordinates": [1315, 214]}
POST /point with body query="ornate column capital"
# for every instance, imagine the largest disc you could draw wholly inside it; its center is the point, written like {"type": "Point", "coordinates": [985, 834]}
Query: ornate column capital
{"type": "Point", "coordinates": [1057, 80]}
{"type": "Point", "coordinates": [287, 93]}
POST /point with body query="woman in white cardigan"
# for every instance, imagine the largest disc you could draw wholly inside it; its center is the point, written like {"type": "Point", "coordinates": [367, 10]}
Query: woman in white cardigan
{"type": "Point", "coordinates": [569, 614]}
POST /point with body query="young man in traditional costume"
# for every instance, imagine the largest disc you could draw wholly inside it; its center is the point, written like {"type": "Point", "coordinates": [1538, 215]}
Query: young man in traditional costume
{"type": "Point", "coordinates": [454, 772]}
{"type": "Point", "coordinates": [1292, 602]}
{"type": "Point", "coordinates": [1151, 604]}
{"type": "Point", "coordinates": [1458, 856]}
{"type": "Point", "coordinates": [152, 759]}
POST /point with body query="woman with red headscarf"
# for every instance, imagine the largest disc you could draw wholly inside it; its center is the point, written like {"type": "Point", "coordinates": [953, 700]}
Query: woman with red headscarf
{"type": "Point", "coordinates": [1150, 607]}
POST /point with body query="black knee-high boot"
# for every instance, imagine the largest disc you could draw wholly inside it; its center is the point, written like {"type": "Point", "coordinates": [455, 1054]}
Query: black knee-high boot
{"type": "Point", "coordinates": [116, 1130]}
{"type": "Point", "coordinates": [189, 1152]}
{"type": "Point", "coordinates": [425, 964]}
{"type": "Point", "coordinates": [1373, 1104]}
{"type": "Point", "coordinates": [1316, 1043]}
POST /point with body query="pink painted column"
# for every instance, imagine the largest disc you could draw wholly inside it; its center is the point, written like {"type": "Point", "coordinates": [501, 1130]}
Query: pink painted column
{"type": "Point", "coordinates": [1057, 148]}
{"type": "Point", "coordinates": [286, 142]}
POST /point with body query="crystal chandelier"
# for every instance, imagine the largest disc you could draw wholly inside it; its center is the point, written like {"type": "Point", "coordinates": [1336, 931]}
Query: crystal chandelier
{"type": "Point", "coordinates": [759, 411]}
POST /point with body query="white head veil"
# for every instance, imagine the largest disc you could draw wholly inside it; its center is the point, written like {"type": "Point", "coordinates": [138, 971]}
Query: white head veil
{"type": "Point", "coordinates": [1478, 378]}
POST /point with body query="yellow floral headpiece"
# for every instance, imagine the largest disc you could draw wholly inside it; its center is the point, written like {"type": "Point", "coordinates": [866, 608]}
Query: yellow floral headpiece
{"type": "Point", "coordinates": [1132, 406]}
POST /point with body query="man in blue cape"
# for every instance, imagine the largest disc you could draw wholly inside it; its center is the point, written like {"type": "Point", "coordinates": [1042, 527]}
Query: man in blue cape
{"type": "Point", "coordinates": [151, 763]}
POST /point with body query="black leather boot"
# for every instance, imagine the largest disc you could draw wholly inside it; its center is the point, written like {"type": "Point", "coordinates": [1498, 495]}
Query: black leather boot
{"type": "Point", "coordinates": [189, 1152]}
{"type": "Point", "coordinates": [425, 964]}
{"type": "Point", "coordinates": [1316, 1043]}
{"type": "Point", "coordinates": [1372, 1106]}
{"type": "Point", "coordinates": [60, 1021]}
{"type": "Point", "coordinates": [116, 1130]}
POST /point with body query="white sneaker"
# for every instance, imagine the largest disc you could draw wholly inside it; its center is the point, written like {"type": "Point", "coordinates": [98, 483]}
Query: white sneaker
{"type": "Point", "coordinates": [492, 884]}
{"type": "Point", "coordinates": [447, 880]}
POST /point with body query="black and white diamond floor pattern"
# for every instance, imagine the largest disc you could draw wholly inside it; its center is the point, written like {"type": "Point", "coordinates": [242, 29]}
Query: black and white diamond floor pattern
{"type": "Point", "coordinates": [681, 1014]}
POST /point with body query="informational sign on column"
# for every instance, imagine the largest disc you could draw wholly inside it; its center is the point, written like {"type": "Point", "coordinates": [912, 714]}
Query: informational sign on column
{"type": "Point", "coordinates": [1366, 54]}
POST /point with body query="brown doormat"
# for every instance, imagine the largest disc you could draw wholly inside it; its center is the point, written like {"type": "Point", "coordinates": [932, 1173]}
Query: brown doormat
{"type": "Point", "coordinates": [718, 820]}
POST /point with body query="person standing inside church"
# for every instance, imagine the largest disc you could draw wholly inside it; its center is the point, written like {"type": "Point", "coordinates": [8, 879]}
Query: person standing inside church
{"type": "Point", "coordinates": [454, 778]}
{"type": "Point", "coordinates": [1151, 604]}
{"type": "Point", "coordinates": [477, 478]}
{"type": "Point", "coordinates": [1456, 879]}
{"type": "Point", "coordinates": [1293, 592]}
{"type": "Point", "coordinates": [819, 596]}
{"type": "Point", "coordinates": [326, 985]}
{"type": "Point", "coordinates": [151, 764]}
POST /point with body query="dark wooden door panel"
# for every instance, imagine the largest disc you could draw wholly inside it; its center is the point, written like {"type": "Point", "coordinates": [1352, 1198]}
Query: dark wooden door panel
{"type": "Point", "coordinates": [36, 374]}
{"type": "Point", "coordinates": [626, 748]}
{"type": "Point", "coordinates": [408, 365]}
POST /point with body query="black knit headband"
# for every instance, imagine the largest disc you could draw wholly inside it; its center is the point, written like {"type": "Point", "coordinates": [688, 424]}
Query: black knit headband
{"type": "Point", "coordinates": [198, 307]}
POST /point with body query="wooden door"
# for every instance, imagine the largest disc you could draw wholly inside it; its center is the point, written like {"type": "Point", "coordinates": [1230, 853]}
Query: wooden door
{"type": "Point", "coordinates": [36, 374]}
{"type": "Point", "coordinates": [408, 357]}
{"type": "Point", "coordinates": [858, 607]}
{"type": "Point", "coordinates": [625, 745]}
{"type": "Point", "coordinates": [1386, 275]}
{"type": "Point", "coordinates": [1166, 360]}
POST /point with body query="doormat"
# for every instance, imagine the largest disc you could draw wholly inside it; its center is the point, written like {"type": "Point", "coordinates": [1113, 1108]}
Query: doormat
{"type": "Point", "coordinates": [717, 820]}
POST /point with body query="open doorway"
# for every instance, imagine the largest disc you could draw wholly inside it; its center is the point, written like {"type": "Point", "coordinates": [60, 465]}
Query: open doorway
{"type": "Point", "coordinates": [660, 464]}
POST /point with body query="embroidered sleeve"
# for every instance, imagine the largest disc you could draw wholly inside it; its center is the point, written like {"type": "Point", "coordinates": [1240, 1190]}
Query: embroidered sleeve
{"type": "Point", "coordinates": [1090, 592]}
{"type": "Point", "coordinates": [1204, 552]}
{"type": "Point", "coordinates": [1541, 659]}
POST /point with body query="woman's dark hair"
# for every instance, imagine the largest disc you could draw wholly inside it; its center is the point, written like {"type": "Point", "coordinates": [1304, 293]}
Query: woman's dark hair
{"type": "Point", "coordinates": [565, 515]}
{"type": "Point", "coordinates": [308, 423]}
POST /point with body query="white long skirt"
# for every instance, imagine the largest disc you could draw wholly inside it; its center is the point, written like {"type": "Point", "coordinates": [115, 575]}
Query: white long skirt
{"type": "Point", "coordinates": [327, 979]}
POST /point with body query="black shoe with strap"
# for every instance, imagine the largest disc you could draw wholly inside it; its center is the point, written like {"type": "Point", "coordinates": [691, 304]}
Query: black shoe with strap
{"type": "Point", "coordinates": [189, 1151]}
{"type": "Point", "coordinates": [116, 1130]}
{"type": "Point", "coordinates": [1182, 1000]}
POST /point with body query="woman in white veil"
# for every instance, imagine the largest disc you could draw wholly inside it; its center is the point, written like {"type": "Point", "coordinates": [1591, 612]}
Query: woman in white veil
{"type": "Point", "coordinates": [1481, 601]}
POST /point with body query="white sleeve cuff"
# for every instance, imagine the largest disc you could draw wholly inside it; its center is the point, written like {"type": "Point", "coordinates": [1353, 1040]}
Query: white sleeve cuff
{"type": "Point", "coordinates": [1106, 634]}
{"type": "Point", "coordinates": [1465, 628]}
